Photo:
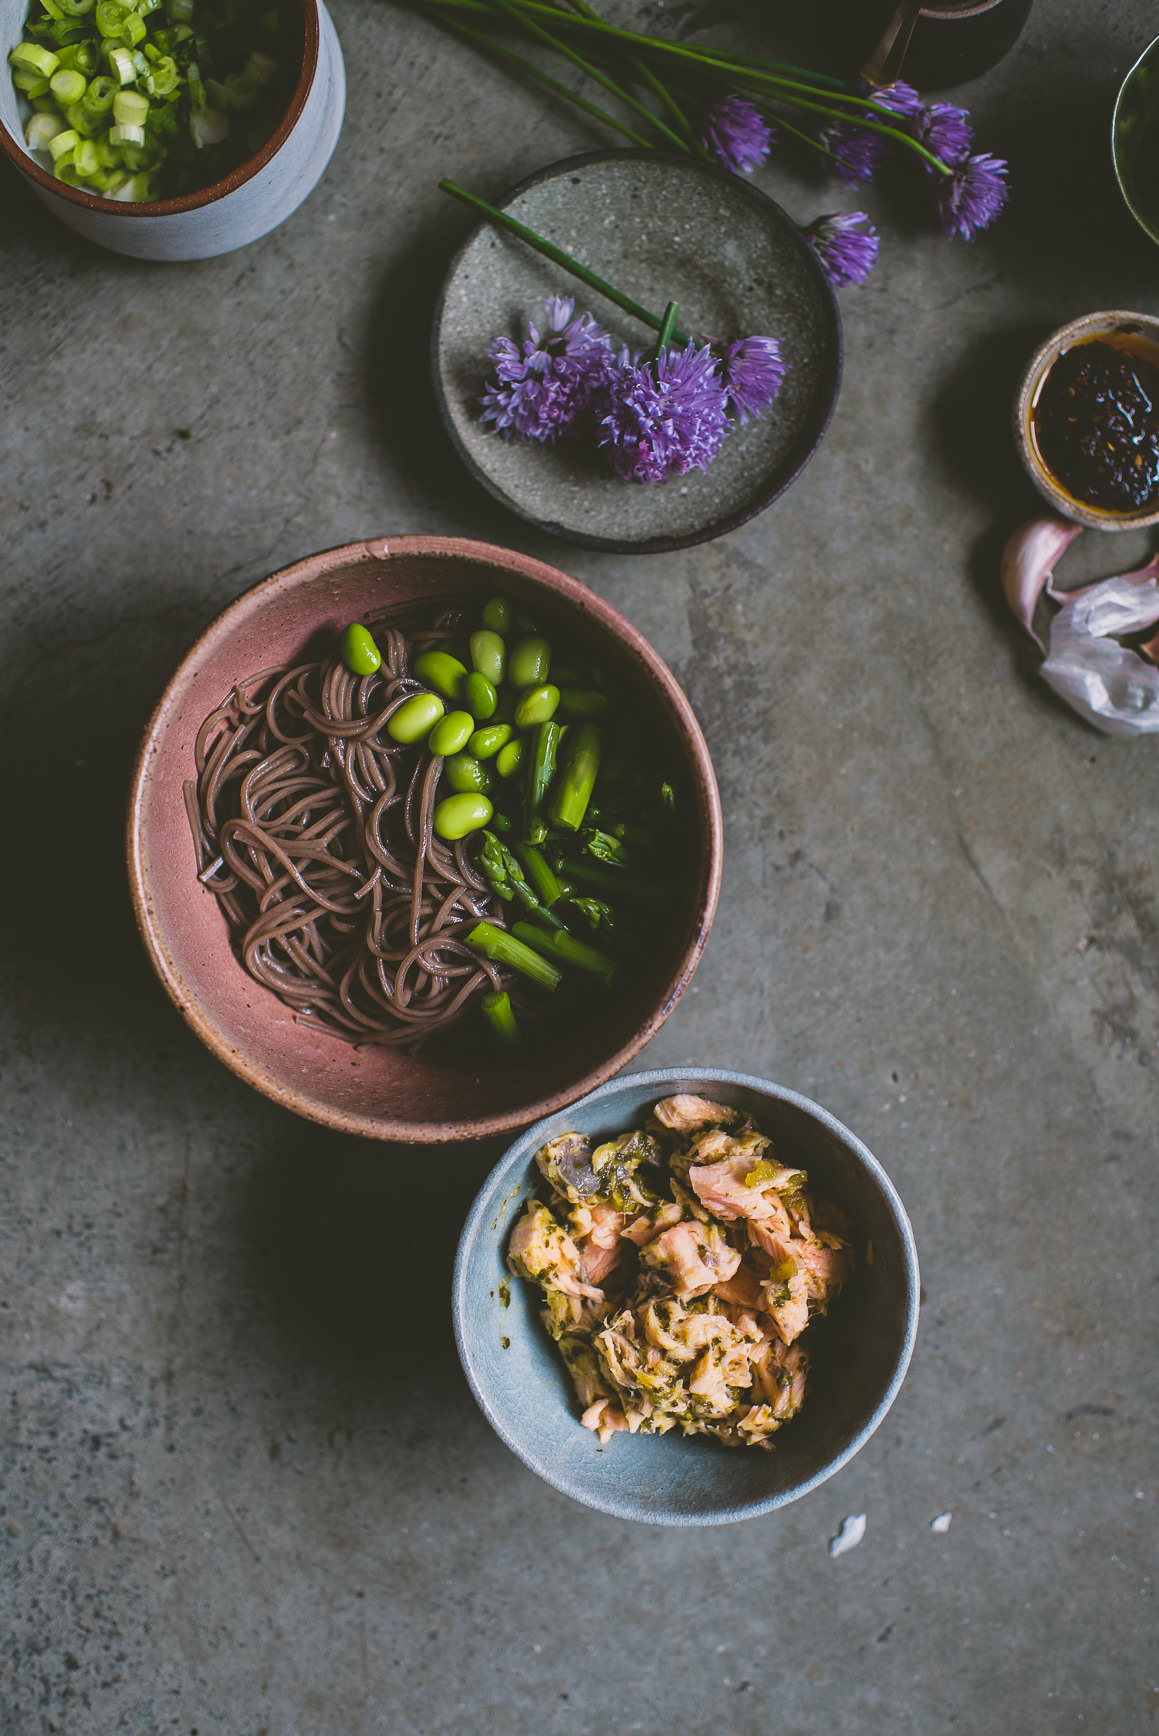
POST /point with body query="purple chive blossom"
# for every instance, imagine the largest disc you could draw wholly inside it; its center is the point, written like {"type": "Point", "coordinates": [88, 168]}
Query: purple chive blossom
{"type": "Point", "coordinates": [847, 251]}
{"type": "Point", "coordinates": [666, 417]}
{"type": "Point", "coordinates": [944, 130]}
{"type": "Point", "coordinates": [901, 98]}
{"type": "Point", "coordinates": [737, 135]}
{"type": "Point", "coordinates": [753, 371]}
{"type": "Point", "coordinates": [970, 198]}
{"type": "Point", "coordinates": [542, 385]}
{"type": "Point", "coordinates": [856, 152]}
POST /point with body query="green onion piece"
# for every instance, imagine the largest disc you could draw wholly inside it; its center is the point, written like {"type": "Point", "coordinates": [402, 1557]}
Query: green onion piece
{"type": "Point", "coordinates": [503, 948]}
{"type": "Point", "coordinates": [578, 779]}
{"type": "Point", "coordinates": [40, 60]}
{"type": "Point", "coordinates": [63, 142]}
{"type": "Point", "coordinates": [497, 1011]}
{"type": "Point", "coordinates": [261, 68]}
{"type": "Point", "coordinates": [85, 159]}
{"type": "Point", "coordinates": [110, 18]}
{"type": "Point", "coordinates": [130, 108]}
{"type": "Point", "coordinates": [124, 134]}
{"type": "Point", "coordinates": [121, 65]}
{"type": "Point", "coordinates": [41, 130]}
{"type": "Point", "coordinates": [559, 944]}
{"type": "Point", "coordinates": [29, 82]}
{"type": "Point", "coordinates": [98, 98]}
{"type": "Point", "coordinates": [208, 127]}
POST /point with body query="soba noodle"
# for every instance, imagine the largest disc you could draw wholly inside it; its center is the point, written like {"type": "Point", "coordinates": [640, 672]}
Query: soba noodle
{"type": "Point", "coordinates": [314, 830]}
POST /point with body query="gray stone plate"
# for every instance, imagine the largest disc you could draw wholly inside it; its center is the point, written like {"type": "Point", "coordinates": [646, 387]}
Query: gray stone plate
{"type": "Point", "coordinates": [659, 228]}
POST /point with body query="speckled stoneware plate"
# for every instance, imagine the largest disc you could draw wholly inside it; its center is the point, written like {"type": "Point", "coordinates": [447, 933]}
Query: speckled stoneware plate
{"type": "Point", "coordinates": [859, 1354]}
{"type": "Point", "coordinates": [659, 228]}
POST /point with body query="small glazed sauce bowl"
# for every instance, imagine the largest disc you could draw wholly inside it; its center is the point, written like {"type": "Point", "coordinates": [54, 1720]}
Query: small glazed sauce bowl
{"type": "Point", "coordinates": [1049, 399]}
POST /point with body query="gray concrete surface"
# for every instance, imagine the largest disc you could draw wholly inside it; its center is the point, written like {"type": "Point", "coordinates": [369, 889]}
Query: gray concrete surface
{"type": "Point", "coordinates": [245, 1491]}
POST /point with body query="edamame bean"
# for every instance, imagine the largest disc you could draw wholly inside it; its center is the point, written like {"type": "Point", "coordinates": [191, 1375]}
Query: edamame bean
{"type": "Point", "coordinates": [415, 718]}
{"type": "Point", "coordinates": [466, 775]}
{"type": "Point", "coordinates": [480, 695]}
{"type": "Point", "coordinates": [529, 662]}
{"type": "Point", "coordinates": [442, 672]}
{"type": "Point", "coordinates": [489, 655]}
{"type": "Point", "coordinates": [510, 759]}
{"type": "Point", "coordinates": [536, 705]}
{"type": "Point", "coordinates": [359, 652]}
{"type": "Point", "coordinates": [456, 816]}
{"type": "Point", "coordinates": [485, 743]}
{"type": "Point", "coordinates": [452, 733]}
{"type": "Point", "coordinates": [574, 702]}
{"type": "Point", "coordinates": [497, 615]}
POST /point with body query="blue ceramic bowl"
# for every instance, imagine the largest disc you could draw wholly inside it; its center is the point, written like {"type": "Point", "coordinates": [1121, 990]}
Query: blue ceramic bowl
{"type": "Point", "coordinates": [859, 1354]}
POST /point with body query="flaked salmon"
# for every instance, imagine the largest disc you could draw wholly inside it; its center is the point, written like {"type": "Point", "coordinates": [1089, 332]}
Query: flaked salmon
{"type": "Point", "coordinates": [680, 1271]}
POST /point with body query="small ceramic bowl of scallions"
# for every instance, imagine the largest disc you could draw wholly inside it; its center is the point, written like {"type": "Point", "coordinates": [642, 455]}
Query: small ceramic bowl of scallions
{"type": "Point", "coordinates": [170, 129]}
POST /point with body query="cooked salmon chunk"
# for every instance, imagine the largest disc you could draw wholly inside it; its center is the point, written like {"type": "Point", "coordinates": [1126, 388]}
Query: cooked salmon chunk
{"type": "Point", "coordinates": [683, 1114]}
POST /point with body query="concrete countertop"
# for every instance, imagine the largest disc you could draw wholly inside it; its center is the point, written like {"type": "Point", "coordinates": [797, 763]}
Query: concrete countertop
{"type": "Point", "coordinates": [244, 1489]}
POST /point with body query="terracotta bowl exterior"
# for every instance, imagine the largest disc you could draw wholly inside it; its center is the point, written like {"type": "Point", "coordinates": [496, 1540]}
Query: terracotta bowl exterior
{"type": "Point", "coordinates": [378, 1092]}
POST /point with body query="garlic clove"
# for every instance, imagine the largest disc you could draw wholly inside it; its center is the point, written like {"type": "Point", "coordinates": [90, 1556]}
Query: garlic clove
{"type": "Point", "coordinates": [1028, 563]}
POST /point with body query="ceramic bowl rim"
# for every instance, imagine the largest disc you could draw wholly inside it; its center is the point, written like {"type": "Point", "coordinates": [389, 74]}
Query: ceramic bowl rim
{"type": "Point", "coordinates": [564, 589]}
{"type": "Point", "coordinates": [204, 195]}
{"type": "Point", "coordinates": [1152, 234]}
{"type": "Point", "coordinates": [1109, 321]}
{"type": "Point", "coordinates": [664, 1080]}
{"type": "Point", "coordinates": [719, 526]}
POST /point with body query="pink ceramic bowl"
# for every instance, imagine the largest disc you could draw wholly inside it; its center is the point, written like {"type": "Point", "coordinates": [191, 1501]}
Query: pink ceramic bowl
{"type": "Point", "coordinates": [385, 1095]}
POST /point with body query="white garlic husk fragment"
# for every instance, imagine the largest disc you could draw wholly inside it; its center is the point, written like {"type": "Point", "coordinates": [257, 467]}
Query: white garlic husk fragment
{"type": "Point", "coordinates": [1115, 687]}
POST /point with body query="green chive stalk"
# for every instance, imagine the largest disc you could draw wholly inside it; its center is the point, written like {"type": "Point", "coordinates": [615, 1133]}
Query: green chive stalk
{"type": "Point", "coordinates": [503, 220]}
{"type": "Point", "coordinates": [763, 80]}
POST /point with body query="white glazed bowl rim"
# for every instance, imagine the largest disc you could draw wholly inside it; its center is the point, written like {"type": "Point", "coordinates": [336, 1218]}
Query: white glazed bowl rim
{"type": "Point", "coordinates": [205, 195]}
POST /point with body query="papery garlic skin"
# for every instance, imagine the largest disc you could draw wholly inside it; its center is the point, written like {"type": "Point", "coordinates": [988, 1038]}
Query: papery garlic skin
{"type": "Point", "coordinates": [1028, 563]}
{"type": "Point", "coordinates": [1114, 688]}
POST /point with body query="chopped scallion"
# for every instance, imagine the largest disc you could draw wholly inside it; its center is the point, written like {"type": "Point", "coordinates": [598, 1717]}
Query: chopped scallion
{"type": "Point", "coordinates": [63, 142]}
{"type": "Point", "coordinates": [40, 60]}
{"type": "Point", "coordinates": [130, 108]}
{"type": "Point", "coordinates": [41, 130]}
{"type": "Point", "coordinates": [67, 87]}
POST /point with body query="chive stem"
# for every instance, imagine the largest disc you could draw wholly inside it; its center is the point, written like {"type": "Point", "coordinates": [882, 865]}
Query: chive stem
{"type": "Point", "coordinates": [549, 250]}
{"type": "Point", "coordinates": [593, 72]}
{"type": "Point", "coordinates": [508, 57]}
{"type": "Point", "coordinates": [666, 329]}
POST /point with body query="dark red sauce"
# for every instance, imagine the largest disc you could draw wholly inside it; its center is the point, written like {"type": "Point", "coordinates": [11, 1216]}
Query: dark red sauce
{"type": "Point", "coordinates": [1096, 425]}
